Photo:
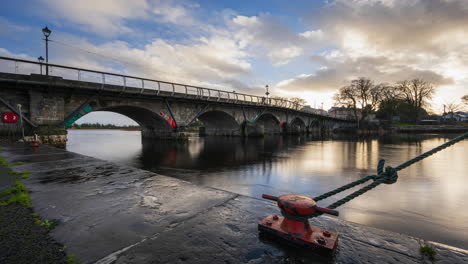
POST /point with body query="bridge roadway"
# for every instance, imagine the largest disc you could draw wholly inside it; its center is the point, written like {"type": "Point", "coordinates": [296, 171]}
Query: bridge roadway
{"type": "Point", "coordinates": [162, 109]}
{"type": "Point", "coordinates": [108, 213]}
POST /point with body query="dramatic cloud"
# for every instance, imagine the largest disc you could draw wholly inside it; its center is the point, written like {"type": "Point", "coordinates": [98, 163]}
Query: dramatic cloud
{"type": "Point", "coordinates": [338, 71]}
{"type": "Point", "coordinates": [267, 36]}
{"type": "Point", "coordinates": [389, 41]}
{"type": "Point", "coordinates": [106, 17]}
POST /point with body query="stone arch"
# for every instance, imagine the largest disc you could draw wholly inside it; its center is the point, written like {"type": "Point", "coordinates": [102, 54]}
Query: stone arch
{"type": "Point", "coordinates": [268, 124]}
{"type": "Point", "coordinates": [152, 124]}
{"type": "Point", "coordinates": [219, 123]}
{"type": "Point", "coordinates": [297, 126]}
{"type": "Point", "coordinates": [314, 126]}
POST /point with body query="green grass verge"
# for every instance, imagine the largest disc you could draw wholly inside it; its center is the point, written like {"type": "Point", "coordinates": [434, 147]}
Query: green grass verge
{"type": "Point", "coordinates": [16, 194]}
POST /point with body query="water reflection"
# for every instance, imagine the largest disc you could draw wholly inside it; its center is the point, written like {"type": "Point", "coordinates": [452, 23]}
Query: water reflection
{"type": "Point", "coordinates": [427, 201]}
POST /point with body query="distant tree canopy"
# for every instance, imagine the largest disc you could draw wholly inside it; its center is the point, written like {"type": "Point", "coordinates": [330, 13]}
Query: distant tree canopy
{"type": "Point", "coordinates": [361, 95]}
{"type": "Point", "coordinates": [416, 92]}
{"type": "Point", "coordinates": [99, 126]}
{"type": "Point", "coordinates": [405, 98]}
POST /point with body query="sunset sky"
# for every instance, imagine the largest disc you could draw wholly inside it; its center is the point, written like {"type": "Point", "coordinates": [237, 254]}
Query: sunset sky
{"type": "Point", "coordinates": [299, 48]}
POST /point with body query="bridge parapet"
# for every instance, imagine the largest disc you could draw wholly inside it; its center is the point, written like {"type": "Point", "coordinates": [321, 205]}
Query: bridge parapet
{"type": "Point", "coordinates": [133, 84]}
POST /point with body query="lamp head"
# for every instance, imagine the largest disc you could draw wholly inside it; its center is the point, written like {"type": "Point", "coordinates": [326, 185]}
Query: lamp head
{"type": "Point", "coordinates": [40, 59]}
{"type": "Point", "coordinates": [46, 31]}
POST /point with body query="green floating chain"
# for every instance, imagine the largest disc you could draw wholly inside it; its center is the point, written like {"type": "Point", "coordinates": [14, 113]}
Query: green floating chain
{"type": "Point", "coordinates": [388, 176]}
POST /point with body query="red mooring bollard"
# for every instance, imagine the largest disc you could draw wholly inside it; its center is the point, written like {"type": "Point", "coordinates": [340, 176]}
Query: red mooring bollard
{"type": "Point", "coordinates": [294, 224]}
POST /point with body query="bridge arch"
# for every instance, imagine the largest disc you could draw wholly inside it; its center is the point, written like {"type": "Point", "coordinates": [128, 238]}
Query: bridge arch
{"type": "Point", "coordinates": [219, 123]}
{"type": "Point", "coordinates": [152, 124]}
{"type": "Point", "coordinates": [269, 123]}
{"type": "Point", "coordinates": [297, 126]}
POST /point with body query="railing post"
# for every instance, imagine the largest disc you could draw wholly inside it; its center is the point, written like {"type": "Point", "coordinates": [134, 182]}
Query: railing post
{"type": "Point", "coordinates": [103, 80]}
{"type": "Point", "coordinates": [124, 83]}
{"type": "Point", "coordinates": [173, 89]}
{"type": "Point", "coordinates": [159, 88]}
{"type": "Point", "coordinates": [79, 74]}
{"type": "Point", "coordinates": [209, 94]}
{"type": "Point", "coordinates": [142, 85]}
{"type": "Point", "coordinates": [186, 92]}
{"type": "Point", "coordinates": [16, 67]}
{"type": "Point", "coordinates": [219, 95]}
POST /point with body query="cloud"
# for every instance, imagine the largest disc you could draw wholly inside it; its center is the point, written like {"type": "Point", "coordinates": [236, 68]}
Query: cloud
{"type": "Point", "coordinates": [265, 35]}
{"type": "Point", "coordinates": [105, 17]}
{"type": "Point", "coordinates": [10, 29]}
{"type": "Point", "coordinates": [388, 41]}
{"type": "Point", "coordinates": [207, 61]}
{"type": "Point", "coordinates": [417, 25]}
{"type": "Point", "coordinates": [339, 70]}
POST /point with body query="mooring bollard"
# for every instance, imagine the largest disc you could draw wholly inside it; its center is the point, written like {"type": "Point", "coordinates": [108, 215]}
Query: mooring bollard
{"type": "Point", "coordinates": [294, 225]}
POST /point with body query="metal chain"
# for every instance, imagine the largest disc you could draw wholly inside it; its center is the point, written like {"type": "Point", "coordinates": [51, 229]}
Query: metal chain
{"type": "Point", "coordinates": [388, 176]}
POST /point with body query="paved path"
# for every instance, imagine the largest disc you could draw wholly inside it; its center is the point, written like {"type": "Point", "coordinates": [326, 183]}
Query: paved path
{"type": "Point", "coordinates": [117, 214]}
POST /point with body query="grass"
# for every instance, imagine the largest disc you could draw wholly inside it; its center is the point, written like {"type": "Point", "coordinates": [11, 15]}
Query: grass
{"type": "Point", "coordinates": [71, 259]}
{"type": "Point", "coordinates": [19, 194]}
{"type": "Point", "coordinates": [427, 250]}
{"type": "Point", "coordinates": [16, 194]}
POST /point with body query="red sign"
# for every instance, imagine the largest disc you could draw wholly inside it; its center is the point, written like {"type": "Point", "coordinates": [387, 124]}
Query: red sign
{"type": "Point", "coordinates": [10, 117]}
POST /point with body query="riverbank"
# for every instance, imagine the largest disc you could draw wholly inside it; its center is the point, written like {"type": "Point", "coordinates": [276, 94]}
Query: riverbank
{"type": "Point", "coordinates": [108, 213]}
{"type": "Point", "coordinates": [24, 237]}
{"type": "Point", "coordinates": [407, 128]}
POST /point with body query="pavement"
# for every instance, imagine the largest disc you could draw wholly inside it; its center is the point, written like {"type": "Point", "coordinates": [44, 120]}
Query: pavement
{"type": "Point", "coordinates": [109, 213]}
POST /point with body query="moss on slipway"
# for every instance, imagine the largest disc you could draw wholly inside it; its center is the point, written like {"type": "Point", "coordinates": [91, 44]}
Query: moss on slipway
{"type": "Point", "coordinates": [24, 235]}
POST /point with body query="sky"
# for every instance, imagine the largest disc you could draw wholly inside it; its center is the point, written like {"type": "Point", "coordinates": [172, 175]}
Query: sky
{"type": "Point", "coordinates": [306, 49]}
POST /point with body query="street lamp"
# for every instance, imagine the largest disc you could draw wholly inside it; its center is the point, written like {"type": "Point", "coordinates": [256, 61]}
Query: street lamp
{"type": "Point", "coordinates": [41, 60]}
{"type": "Point", "coordinates": [267, 93]}
{"type": "Point", "coordinates": [46, 31]}
{"type": "Point", "coordinates": [21, 120]}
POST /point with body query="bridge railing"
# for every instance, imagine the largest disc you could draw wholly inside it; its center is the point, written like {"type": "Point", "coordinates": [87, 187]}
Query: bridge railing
{"type": "Point", "coordinates": [127, 83]}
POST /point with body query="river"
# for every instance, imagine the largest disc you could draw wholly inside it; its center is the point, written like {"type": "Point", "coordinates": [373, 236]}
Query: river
{"type": "Point", "coordinates": [429, 200]}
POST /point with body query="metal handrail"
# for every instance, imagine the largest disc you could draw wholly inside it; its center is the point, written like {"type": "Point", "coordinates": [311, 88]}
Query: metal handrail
{"type": "Point", "coordinates": [212, 94]}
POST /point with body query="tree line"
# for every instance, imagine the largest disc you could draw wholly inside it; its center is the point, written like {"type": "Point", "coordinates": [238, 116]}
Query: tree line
{"type": "Point", "coordinates": [99, 126]}
{"type": "Point", "coordinates": [407, 99]}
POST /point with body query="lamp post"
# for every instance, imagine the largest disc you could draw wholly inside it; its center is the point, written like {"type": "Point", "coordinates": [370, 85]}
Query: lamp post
{"type": "Point", "coordinates": [267, 93]}
{"type": "Point", "coordinates": [46, 31]}
{"type": "Point", "coordinates": [21, 120]}
{"type": "Point", "coordinates": [41, 60]}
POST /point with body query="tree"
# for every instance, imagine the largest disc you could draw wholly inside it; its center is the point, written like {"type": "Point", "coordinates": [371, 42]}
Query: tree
{"type": "Point", "coordinates": [279, 101]}
{"type": "Point", "coordinates": [452, 107]}
{"type": "Point", "coordinates": [416, 92]}
{"type": "Point", "coordinates": [297, 101]}
{"type": "Point", "coordinates": [360, 96]}
{"type": "Point", "coordinates": [391, 99]}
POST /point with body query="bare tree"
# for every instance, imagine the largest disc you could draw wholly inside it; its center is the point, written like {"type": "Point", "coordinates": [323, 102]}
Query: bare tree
{"type": "Point", "coordinates": [452, 107]}
{"type": "Point", "coordinates": [361, 96]}
{"type": "Point", "coordinates": [280, 101]}
{"type": "Point", "coordinates": [416, 92]}
{"type": "Point", "coordinates": [297, 100]}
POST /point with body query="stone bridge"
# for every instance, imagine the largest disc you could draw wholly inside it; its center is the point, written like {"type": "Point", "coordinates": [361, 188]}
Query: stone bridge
{"type": "Point", "coordinates": [51, 103]}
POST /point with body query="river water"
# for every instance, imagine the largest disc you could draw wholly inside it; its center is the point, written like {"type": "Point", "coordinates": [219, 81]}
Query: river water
{"type": "Point", "coordinates": [429, 200]}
